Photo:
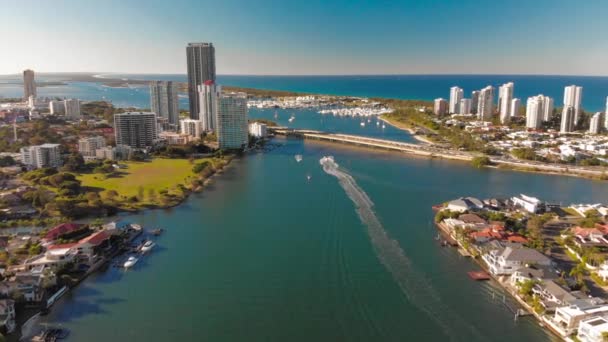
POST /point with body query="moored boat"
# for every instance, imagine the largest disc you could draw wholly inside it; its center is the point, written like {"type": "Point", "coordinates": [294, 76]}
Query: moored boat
{"type": "Point", "coordinates": [147, 246]}
{"type": "Point", "coordinates": [130, 262]}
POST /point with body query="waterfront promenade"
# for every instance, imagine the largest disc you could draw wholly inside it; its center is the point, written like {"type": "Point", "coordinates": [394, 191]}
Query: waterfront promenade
{"type": "Point", "coordinates": [436, 151]}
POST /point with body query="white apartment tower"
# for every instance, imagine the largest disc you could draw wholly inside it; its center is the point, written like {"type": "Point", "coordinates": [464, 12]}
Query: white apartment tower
{"type": "Point", "coordinates": [135, 129]}
{"type": "Point", "coordinates": [534, 111]}
{"type": "Point", "coordinates": [45, 155]}
{"type": "Point", "coordinates": [485, 106]}
{"type": "Point", "coordinates": [87, 147]}
{"type": "Point", "coordinates": [548, 108]}
{"type": "Point", "coordinates": [573, 95]}
{"type": "Point", "coordinates": [232, 121]}
{"type": "Point", "coordinates": [595, 124]}
{"type": "Point", "coordinates": [209, 94]}
{"type": "Point", "coordinates": [440, 107]}
{"type": "Point", "coordinates": [567, 124]}
{"type": "Point", "coordinates": [456, 94]}
{"type": "Point", "coordinates": [505, 95]}
{"type": "Point", "coordinates": [465, 106]}
{"type": "Point", "coordinates": [57, 107]}
{"type": "Point", "coordinates": [515, 104]}
{"type": "Point", "coordinates": [72, 108]}
{"type": "Point", "coordinates": [474, 101]}
{"type": "Point", "coordinates": [29, 84]}
{"type": "Point", "coordinates": [164, 101]}
{"type": "Point", "coordinates": [193, 128]}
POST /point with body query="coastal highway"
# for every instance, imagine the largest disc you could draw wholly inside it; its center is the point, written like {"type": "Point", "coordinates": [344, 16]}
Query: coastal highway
{"type": "Point", "coordinates": [434, 151]}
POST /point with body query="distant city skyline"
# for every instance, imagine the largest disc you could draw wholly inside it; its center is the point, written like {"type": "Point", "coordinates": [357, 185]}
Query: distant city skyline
{"type": "Point", "coordinates": [308, 38]}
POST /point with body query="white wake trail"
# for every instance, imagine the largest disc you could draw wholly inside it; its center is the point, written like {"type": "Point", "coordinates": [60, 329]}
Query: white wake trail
{"type": "Point", "coordinates": [414, 285]}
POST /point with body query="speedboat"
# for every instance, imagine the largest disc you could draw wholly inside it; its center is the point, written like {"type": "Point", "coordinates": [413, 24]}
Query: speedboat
{"type": "Point", "coordinates": [298, 157]}
{"type": "Point", "coordinates": [362, 124]}
{"type": "Point", "coordinates": [291, 119]}
{"type": "Point", "coordinates": [147, 246]}
{"type": "Point", "coordinates": [130, 262]}
{"type": "Point", "coordinates": [383, 126]}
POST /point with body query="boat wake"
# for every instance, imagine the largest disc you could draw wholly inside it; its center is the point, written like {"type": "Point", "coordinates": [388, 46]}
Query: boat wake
{"type": "Point", "coordinates": [413, 284]}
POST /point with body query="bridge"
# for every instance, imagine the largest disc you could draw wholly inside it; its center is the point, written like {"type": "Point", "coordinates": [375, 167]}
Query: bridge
{"type": "Point", "coordinates": [435, 151]}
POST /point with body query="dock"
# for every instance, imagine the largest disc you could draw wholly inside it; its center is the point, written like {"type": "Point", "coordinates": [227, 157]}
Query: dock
{"type": "Point", "coordinates": [478, 275]}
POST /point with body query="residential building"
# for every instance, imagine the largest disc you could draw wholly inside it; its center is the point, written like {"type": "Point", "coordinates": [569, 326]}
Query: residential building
{"type": "Point", "coordinates": [595, 124]}
{"type": "Point", "coordinates": [592, 329]}
{"type": "Point", "coordinates": [107, 152]}
{"type": "Point", "coordinates": [232, 121]}
{"type": "Point", "coordinates": [135, 129]}
{"type": "Point", "coordinates": [505, 261]}
{"type": "Point", "coordinates": [474, 101]}
{"type": "Point", "coordinates": [87, 147]}
{"type": "Point", "coordinates": [573, 95]}
{"type": "Point", "coordinates": [528, 203]}
{"type": "Point", "coordinates": [465, 106]}
{"type": "Point", "coordinates": [568, 318]}
{"type": "Point", "coordinates": [606, 115]}
{"type": "Point", "coordinates": [193, 128]}
{"type": "Point", "coordinates": [7, 315]}
{"type": "Point", "coordinates": [535, 111]}
{"type": "Point", "coordinates": [485, 106]}
{"type": "Point", "coordinates": [173, 138]}
{"type": "Point", "coordinates": [505, 96]}
{"type": "Point", "coordinates": [57, 107]}
{"type": "Point", "coordinates": [456, 94]}
{"type": "Point", "coordinates": [209, 94]}
{"type": "Point", "coordinates": [29, 84]}
{"type": "Point", "coordinates": [122, 152]}
{"type": "Point", "coordinates": [72, 108]}
{"type": "Point", "coordinates": [440, 107]}
{"type": "Point", "coordinates": [463, 204]}
{"type": "Point", "coordinates": [164, 101]}
{"type": "Point", "coordinates": [45, 155]}
{"type": "Point", "coordinates": [258, 129]}
{"type": "Point", "coordinates": [548, 107]}
{"type": "Point", "coordinates": [200, 58]}
{"type": "Point", "coordinates": [567, 124]}
{"type": "Point", "coordinates": [515, 104]}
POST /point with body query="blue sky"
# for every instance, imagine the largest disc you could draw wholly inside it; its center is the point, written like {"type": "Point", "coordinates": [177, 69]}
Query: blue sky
{"type": "Point", "coordinates": [308, 37]}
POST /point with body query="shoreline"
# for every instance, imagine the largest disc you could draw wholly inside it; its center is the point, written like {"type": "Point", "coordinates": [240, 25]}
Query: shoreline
{"type": "Point", "coordinates": [410, 130]}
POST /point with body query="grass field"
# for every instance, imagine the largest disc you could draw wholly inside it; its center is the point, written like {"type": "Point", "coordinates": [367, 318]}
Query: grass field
{"type": "Point", "coordinates": [155, 175]}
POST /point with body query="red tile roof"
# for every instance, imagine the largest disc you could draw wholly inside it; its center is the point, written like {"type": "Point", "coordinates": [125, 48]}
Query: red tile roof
{"type": "Point", "coordinates": [63, 245]}
{"type": "Point", "coordinates": [61, 229]}
{"type": "Point", "coordinates": [517, 238]}
{"type": "Point", "coordinates": [96, 238]}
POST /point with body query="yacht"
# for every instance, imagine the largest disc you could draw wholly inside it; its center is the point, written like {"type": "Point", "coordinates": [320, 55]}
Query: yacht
{"type": "Point", "coordinates": [147, 246]}
{"type": "Point", "coordinates": [130, 262]}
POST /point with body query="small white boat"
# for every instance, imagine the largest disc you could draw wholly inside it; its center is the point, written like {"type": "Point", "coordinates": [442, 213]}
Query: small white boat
{"type": "Point", "coordinates": [383, 126]}
{"type": "Point", "coordinates": [130, 262]}
{"type": "Point", "coordinates": [368, 120]}
{"type": "Point", "coordinates": [308, 177]}
{"type": "Point", "coordinates": [147, 246]}
{"type": "Point", "coordinates": [298, 157]}
{"type": "Point", "coordinates": [362, 124]}
{"type": "Point", "coordinates": [291, 119]}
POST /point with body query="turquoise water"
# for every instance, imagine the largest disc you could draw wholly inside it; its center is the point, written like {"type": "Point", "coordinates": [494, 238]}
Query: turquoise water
{"type": "Point", "coordinates": [423, 87]}
{"type": "Point", "coordinates": [266, 255]}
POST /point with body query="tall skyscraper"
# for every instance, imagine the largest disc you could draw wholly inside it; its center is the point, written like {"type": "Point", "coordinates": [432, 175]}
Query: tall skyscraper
{"type": "Point", "coordinates": [440, 107]}
{"type": "Point", "coordinates": [56, 107]}
{"type": "Point", "coordinates": [548, 108]}
{"type": "Point", "coordinates": [515, 104]}
{"type": "Point", "coordinates": [505, 95]}
{"type": "Point", "coordinates": [201, 68]}
{"type": "Point", "coordinates": [573, 95]}
{"type": "Point", "coordinates": [72, 108]}
{"type": "Point", "coordinates": [232, 130]}
{"type": "Point", "coordinates": [455, 97]}
{"type": "Point", "coordinates": [163, 101]}
{"type": "Point", "coordinates": [135, 129]}
{"type": "Point", "coordinates": [465, 106]}
{"type": "Point", "coordinates": [534, 111]}
{"type": "Point", "coordinates": [606, 115]}
{"type": "Point", "coordinates": [474, 101]}
{"type": "Point", "coordinates": [595, 124]}
{"type": "Point", "coordinates": [485, 105]}
{"type": "Point", "coordinates": [208, 94]}
{"type": "Point", "coordinates": [567, 124]}
{"type": "Point", "coordinates": [29, 84]}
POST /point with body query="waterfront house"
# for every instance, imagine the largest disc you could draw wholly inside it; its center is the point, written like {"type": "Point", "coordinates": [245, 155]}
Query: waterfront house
{"type": "Point", "coordinates": [530, 204]}
{"type": "Point", "coordinates": [28, 285]}
{"type": "Point", "coordinates": [533, 272]}
{"type": "Point", "coordinates": [567, 318]}
{"type": "Point", "coordinates": [94, 243]}
{"type": "Point", "coordinates": [592, 329]}
{"type": "Point", "coordinates": [7, 315]}
{"type": "Point", "coordinates": [64, 230]}
{"type": "Point", "coordinates": [463, 204]}
{"type": "Point", "coordinates": [553, 295]}
{"type": "Point", "coordinates": [54, 258]}
{"type": "Point", "coordinates": [590, 237]}
{"type": "Point", "coordinates": [507, 260]}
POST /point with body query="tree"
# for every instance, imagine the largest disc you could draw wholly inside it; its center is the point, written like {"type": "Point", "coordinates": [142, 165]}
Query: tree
{"type": "Point", "coordinates": [480, 161]}
{"type": "Point", "coordinates": [35, 249]}
{"type": "Point", "coordinates": [578, 272]}
{"type": "Point", "coordinates": [74, 162]}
